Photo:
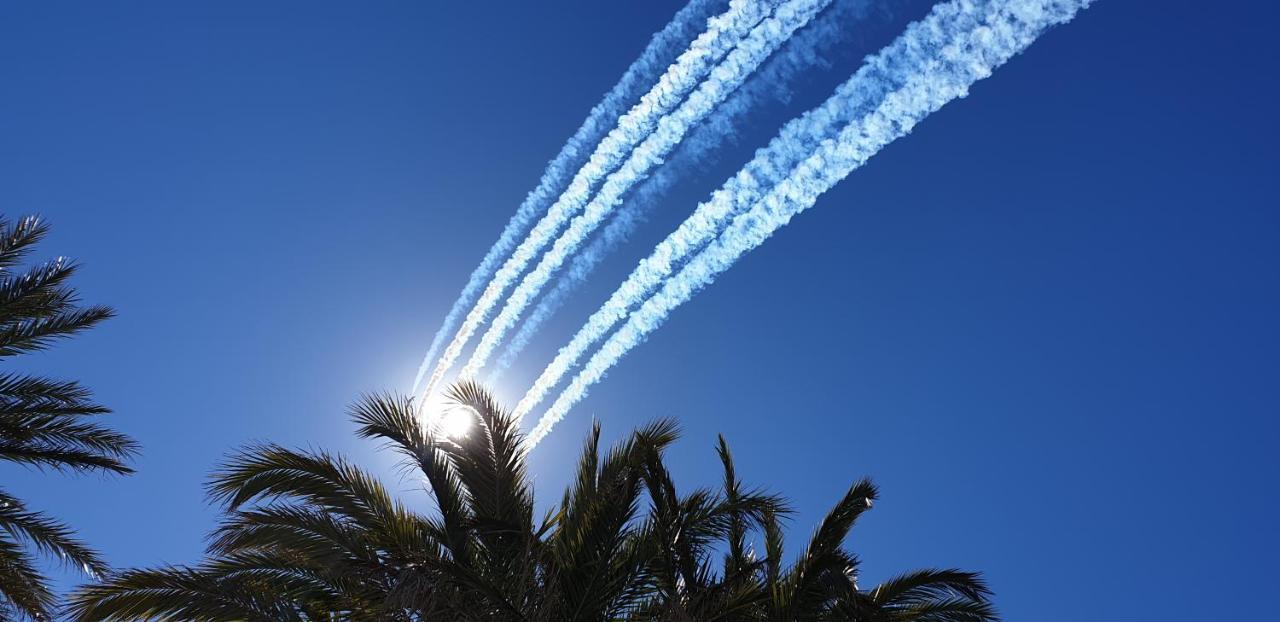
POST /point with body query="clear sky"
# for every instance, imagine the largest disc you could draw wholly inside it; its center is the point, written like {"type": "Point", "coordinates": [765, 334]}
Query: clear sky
{"type": "Point", "coordinates": [1044, 323]}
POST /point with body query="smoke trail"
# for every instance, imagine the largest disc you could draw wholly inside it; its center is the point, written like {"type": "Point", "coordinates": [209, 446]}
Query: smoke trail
{"type": "Point", "coordinates": [1009, 27]}
{"type": "Point", "coordinates": [727, 76]}
{"type": "Point", "coordinates": [659, 53]}
{"type": "Point", "coordinates": [808, 48]}
{"type": "Point", "coordinates": [722, 34]}
{"type": "Point", "coordinates": [878, 76]}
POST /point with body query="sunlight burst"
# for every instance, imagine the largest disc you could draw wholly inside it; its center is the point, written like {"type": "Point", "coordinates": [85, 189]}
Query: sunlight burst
{"type": "Point", "coordinates": [456, 422]}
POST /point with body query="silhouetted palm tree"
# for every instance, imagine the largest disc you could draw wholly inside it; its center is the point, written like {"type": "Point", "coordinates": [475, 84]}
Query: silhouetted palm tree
{"type": "Point", "coordinates": [44, 423]}
{"type": "Point", "coordinates": [308, 536]}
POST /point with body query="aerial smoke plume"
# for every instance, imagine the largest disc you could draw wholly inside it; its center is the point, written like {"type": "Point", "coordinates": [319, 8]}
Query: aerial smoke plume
{"type": "Point", "coordinates": [763, 40]}
{"type": "Point", "coordinates": [723, 33]}
{"type": "Point", "coordinates": [808, 48]}
{"type": "Point", "coordinates": [961, 42]}
{"type": "Point", "coordinates": [638, 77]}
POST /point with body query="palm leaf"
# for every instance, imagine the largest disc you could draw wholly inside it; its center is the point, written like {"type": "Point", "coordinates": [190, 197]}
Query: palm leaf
{"type": "Point", "coordinates": [174, 593]}
{"type": "Point", "coordinates": [44, 423]}
{"type": "Point", "coordinates": [18, 238]}
{"type": "Point", "coordinates": [51, 537]}
{"type": "Point", "coordinates": [25, 589]}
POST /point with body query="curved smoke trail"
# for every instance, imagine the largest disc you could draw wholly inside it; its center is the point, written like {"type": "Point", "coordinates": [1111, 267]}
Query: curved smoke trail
{"type": "Point", "coordinates": [642, 73]}
{"type": "Point", "coordinates": [740, 63]}
{"type": "Point", "coordinates": [722, 34]}
{"type": "Point", "coordinates": [878, 76]}
{"type": "Point", "coordinates": [807, 49]}
{"type": "Point", "coordinates": [1008, 28]}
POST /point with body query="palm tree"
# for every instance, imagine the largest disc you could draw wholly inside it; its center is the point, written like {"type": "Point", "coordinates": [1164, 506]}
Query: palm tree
{"type": "Point", "coordinates": [308, 536]}
{"type": "Point", "coordinates": [44, 423]}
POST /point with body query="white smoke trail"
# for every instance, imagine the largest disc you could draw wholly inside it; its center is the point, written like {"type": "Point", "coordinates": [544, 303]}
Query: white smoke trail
{"type": "Point", "coordinates": [879, 75]}
{"type": "Point", "coordinates": [1008, 28]}
{"type": "Point", "coordinates": [723, 32]}
{"type": "Point", "coordinates": [658, 54]}
{"type": "Point", "coordinates": [763, 40]}
{"type": "Point", "coordinates": [808, 48]}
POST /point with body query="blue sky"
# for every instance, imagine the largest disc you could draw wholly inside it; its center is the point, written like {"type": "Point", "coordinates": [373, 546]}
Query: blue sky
{"type": "Point", "coordinates": [1044, 322]}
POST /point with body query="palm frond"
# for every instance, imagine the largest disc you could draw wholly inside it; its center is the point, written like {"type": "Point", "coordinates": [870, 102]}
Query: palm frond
{"type": "Point", "coordinates": [40, 292]}
{"type": "Point", "coordinates": [311, 534]}
{"type": "Point", "coordinates": [824, 569]}
{"type": "Point", "coordinates": [60, 457]}
{"type": "Point", "coordinates": [269, 472]}
{"type": "Point", "coordinates": [490, 460]}
{"type": "Point", "coordinates": [44, 423]}
{"type": "Point", "coordinates": [38, 333]}
{"type": "Point", "coordinates": [306, 535]}
{"type": "Point", "coordinates": [936, 595]}
{"type": "Point", "coordinates": [22, 585]}
{"type": "Point", "coordinates": [50, 536]}
{"type": "Point", "coordinates": [396, 421]}
{"type": "Point", "coordinates": [736, 557]}
{"type": "Point", "coordinates": [598, 553]}
{"type": "Point", "coordinates": [19, 387]}
{"type": "Point", "coordinates": [18, 238]}
{"type": "Point", "coordinates": [175, 593]}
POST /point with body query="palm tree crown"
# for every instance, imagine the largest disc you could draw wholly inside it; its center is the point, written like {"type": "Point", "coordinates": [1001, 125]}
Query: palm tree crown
{"type": "Point", "coordinates": [308, 536]}
{"type": "Point", "coordinates": [44, 423]}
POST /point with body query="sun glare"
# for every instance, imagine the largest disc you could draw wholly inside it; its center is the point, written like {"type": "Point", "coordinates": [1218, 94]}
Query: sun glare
{"type": "Point", "coordinates": [455, 422]}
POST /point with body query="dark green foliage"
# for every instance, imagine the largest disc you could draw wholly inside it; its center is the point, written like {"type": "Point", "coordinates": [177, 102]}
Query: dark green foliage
{"type": "Point", "coordinates": [308, 536]}
{"type": "Point", "coordinates": [44, 423]}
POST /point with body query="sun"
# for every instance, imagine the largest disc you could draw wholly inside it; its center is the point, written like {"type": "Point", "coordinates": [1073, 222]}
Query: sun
{"type": "Point", "coordinates": [456, 422]}
{"type": "Point", "coordinates": [446, 418]}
